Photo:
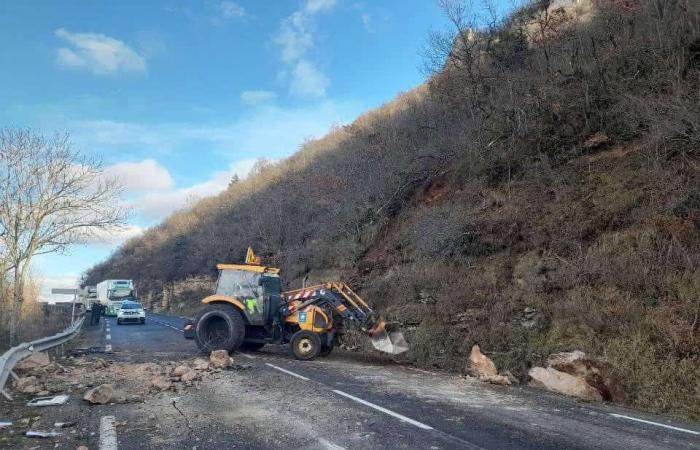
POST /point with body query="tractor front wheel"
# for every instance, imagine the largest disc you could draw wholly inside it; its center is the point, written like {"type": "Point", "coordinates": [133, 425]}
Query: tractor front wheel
{"type": "Point", "coordinates": [305, 345]}
{"type": "Point", "coordinates": [219, 326]}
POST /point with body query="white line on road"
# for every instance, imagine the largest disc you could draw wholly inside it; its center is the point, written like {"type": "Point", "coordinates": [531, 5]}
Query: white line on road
{"type": "Point", "coordinates": [108, 434]}
{"type": "Point", "coordinates": [287, 372]}
{"type": "Point", "coordinates": [385, 411]}
{"type": "Point", "coordinates": [329, 445]}
{"type": "Point", "coordinates": [685, 430]}
{"type": "Point", "coordinates": [108, 337]}
{"type": "Point", "coordinates": [248, 356]}
{"type": "Point", "coordinates": [108, 348]}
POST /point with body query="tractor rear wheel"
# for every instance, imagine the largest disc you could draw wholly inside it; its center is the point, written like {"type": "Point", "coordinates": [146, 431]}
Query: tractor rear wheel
{"type": "Point", "coordinates": [305, 345]}
{"type": "Point", "coordinates": [219, 326]}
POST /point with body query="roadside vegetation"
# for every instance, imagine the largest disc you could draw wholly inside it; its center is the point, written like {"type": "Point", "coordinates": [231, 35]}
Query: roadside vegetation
{"type": "Point", "coordinates": [51, 196]}
{"type": "Point", "coordinates": [539, 193]}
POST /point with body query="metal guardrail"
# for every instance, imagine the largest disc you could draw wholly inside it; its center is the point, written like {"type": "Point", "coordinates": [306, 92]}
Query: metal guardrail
{"type": "Point", "coordinates": [16, 354]}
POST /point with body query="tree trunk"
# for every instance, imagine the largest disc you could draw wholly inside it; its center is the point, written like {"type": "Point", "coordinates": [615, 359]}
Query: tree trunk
{"type": "Point", "coordinates": [18, 289]}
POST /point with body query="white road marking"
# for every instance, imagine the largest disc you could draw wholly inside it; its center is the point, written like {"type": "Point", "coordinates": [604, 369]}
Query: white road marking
{"type": "Point", "coordinates": [287, 372]}
{"type": "Point", "coordinates": [248, 356]}
{"type": "Point", "coordinates": [685, 430]}
{"type": "Point", "coordinates": [108, 348]}
{"type": "Point", "coordinates": [108, 433]}
{"type": "Point", "coordinates": [329, 445]}
{"type": "Point", "coordinates": [385, 411]}
{"type": "Point", "coordinates": [108, 337]}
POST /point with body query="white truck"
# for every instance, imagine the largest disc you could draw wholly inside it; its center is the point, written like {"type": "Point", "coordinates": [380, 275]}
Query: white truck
{"type": "Point", "coordinates": [111, 293]}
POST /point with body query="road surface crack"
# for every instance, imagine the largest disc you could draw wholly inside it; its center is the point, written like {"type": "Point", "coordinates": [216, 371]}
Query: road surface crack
{"type": "Point", "coordinates": [187, 420]}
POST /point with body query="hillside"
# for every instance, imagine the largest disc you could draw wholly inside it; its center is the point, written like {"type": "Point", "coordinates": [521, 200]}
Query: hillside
{"type": "Point", "coordinates": [539, 193]}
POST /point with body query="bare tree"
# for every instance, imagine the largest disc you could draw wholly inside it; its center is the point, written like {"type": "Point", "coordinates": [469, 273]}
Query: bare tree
{"type": "Point", "coordinates": [50, 197]}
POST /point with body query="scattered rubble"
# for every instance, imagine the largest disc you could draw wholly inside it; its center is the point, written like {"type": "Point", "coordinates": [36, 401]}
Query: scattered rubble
{"type": "Point", "coordinates": [220, 359]}
{"type": "Point", "coordinates": [36, 360]}
{"type": "Point", "coordinates": [180, 371]}
{"type": "Point", "coordinates": [161, 382]}
{"type": "Point", "coordinates": [200, 364]}
{"type": "Point", "coordinates": [28, 385]}
{"type": "Point", "coordinates": [100, 395]}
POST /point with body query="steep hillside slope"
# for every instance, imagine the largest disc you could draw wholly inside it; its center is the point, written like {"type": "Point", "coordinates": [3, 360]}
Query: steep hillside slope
{"type": "Point", "coordinates": [539, 193]}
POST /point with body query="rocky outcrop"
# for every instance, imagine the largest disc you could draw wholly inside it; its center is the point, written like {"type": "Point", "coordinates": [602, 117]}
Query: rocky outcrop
{"type": "Point", "coordinates": [101, 395]}
{"type": "Point", "coordinates": [220, 359]}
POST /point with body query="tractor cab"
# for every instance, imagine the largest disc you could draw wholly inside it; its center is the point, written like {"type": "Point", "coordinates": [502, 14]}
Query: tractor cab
{"type": "Point", "coordinates": [257, 288]}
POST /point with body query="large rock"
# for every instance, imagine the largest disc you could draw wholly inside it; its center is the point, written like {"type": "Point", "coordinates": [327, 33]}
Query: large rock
{"type": "Point", "coordinates": [189, 376]}
{"type": "Point", "coordinates": [180, 371]}
{"type": "Point", "coordinates": [36, 360]}
{"type": "Point", "coordinates": [596, 373]}
{"type": "Point", "coordinates": [220, 359]}
{"type": "Point", "coordinates": [480, 365]}
{"type": "Point", "coordinates": [161, 383]}
{"type": "Point", "coordinates": [200, 364]}
{"type": "Point", "coordinates": [563, 383]}
{"type": "Point", "coordinates": [100, 395]}
{"type": "Point", "coordinates": [28, 385]}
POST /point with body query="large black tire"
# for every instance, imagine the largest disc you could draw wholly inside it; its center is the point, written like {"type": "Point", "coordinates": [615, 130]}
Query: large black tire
{"type": "Point", "coordinates": [219, 327]}
{"type": "Point", "coordinates": [251, 346]}
{"type": "Point", "coordinates": [305, 345]}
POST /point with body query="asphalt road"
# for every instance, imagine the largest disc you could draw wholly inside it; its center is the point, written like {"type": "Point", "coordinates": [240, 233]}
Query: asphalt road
{"type": "Point", "coordinates": [345, 402]}
{"type": "Point", "coordinates": [270, 401]}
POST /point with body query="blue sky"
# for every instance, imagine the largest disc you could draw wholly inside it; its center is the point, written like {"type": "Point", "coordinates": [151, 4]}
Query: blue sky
{"type": "Point", "coordinates": [177, 96]}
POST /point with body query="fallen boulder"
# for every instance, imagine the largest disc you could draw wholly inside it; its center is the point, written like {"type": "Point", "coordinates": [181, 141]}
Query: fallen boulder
{"type": "Point", "coordinates": [200, 364]}
{"type": "Point", "coordinates": [595, 373]}
{"type": "Point", "coordinates": [189, 376]}
{"type": "Point", "coordinates": [161, 383]}
{"type": "Point", "coordinates": [180, 371]}
{"type": "Point", "coordinates": [480, 365]}
{"type": "Point", "coordinates": [563, 383]}
{"type": "Point", "coordinates": [220, 359]}
{"type": "Point", "coordinates": [99, 395]}
{"type": "Point", "coordinates": [36, 360]}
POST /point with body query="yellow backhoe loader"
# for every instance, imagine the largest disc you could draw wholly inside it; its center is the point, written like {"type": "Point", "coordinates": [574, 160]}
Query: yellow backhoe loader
{"type": "Point", "coordinates": [249, 310]}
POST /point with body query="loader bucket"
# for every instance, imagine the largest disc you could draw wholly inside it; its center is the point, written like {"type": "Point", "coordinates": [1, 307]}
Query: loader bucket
{"type": "Point", "coordinates": [387, 339]}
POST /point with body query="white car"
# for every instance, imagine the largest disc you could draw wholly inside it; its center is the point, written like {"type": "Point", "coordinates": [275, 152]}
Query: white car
{"type": "Point", "coordinates": [131, 312]}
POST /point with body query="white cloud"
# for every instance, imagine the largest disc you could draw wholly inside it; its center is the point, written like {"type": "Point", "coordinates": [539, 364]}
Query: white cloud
{"type": "Point", "coordinates": [315, 6]}
{"type": "Point", "coordinates": [254, 98]}
{"type": "Point", "coordinates": [98, 53]}
{"type": "Point", "coordinates": [295, 39]}
{"type": "Point", "coordinates": [142, 176]}
{"type": "Point", "coordinates": [158, 205]}
{"type": "Point", "coordinates": [308, 81]}
{"type": "Point", "coordinates": [231, 10]}
{"type": "Point", "coordinates": [114, 236]}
